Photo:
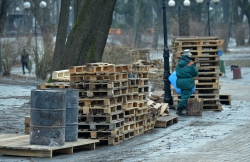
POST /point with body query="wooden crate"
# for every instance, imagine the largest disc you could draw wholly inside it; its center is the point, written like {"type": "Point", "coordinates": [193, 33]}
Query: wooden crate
{"type": "Point", "coordinates": [195, 107]}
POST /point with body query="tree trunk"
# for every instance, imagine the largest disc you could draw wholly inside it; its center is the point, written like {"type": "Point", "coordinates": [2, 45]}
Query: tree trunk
{"type": "Point", "coordinates": [77, 8]}
{"type": "Point", "coordinates": [225, 6]}
{"type": "Point", "coordinates": [185, 22]}
{"type": "Point", "coordinates": [158, 26]}
{"type": "Point", "coordinates": [244, 5]}
{"type": "Point", "coordinates": [61, 32]}
{"type": "Point", "coordinates": [138, 4]}
{"type": "Point", "coordinates": [3, 16]}
{"type": "Point", "coordinates": [239, 29]}
{"type": "Point", "coordinates": [229, 28]}
{"type": "Point", "coordinates": [87, 39]}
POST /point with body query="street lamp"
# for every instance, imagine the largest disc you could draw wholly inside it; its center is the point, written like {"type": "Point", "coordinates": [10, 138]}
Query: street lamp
{"type": "Point", "coordinates": [167, 92]}
{"type": "Point", "coordinates": [27, 5]}
{"type": "Point", "coordinates": [186, 3]}
{"type": "Point", "coordinates": [208, 12]}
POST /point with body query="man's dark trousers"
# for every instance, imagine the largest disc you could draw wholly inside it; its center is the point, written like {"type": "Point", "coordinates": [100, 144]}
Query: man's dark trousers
{"type": "Point", "coordinates": [186, 93]}
{"type": "Point", "coordinates": [24, 64]}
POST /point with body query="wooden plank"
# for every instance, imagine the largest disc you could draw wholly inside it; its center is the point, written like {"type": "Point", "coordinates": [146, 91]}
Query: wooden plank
{"type": "Point", "coordinates": [32, 153]}
{"type": "Point", "coordinates": [165, 121]}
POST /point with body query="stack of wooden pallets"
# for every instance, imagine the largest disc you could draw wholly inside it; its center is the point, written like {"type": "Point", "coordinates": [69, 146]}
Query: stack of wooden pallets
{"type": "Point", "coordinates": [205, 55]}
{"type": "Point", "coordinates": [137, 103]}
{"type": "Point", "coordinates": [112, 100]}
{"type": "Point", "coordinates": [102, 88]}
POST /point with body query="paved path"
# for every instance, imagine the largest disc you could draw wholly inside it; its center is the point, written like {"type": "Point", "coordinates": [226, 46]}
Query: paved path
{"type": "Point", "coordinates": [233, 148]}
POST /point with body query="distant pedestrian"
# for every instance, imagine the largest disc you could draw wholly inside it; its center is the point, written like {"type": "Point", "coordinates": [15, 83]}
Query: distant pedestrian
{"type": "Point", "coordinates": [185, 71]}
{"type": "Point", "coordinates": [25, 60]}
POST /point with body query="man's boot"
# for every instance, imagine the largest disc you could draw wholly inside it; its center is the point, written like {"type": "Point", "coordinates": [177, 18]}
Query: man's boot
{"type": "Point", "coordinates": [179, 111]}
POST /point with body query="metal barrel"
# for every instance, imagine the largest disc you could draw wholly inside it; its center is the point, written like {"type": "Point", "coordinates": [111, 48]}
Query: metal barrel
{"type": "Point", "coordinates": [47, 117]}
{"type": "Point", "coordinates": [237, 73]}
{"type": "Point", "coordinates": [71, 130]}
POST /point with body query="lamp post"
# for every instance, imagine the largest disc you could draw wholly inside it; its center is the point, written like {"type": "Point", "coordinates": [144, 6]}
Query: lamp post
{"type": "Point", "coordinates": [167, 92]}
{"type": "Point", "coordinates": [27, 5]}
{"type": "Point", "coordinates": [208, 12]}
{"type": "Point", "coordinates": [186, 3]}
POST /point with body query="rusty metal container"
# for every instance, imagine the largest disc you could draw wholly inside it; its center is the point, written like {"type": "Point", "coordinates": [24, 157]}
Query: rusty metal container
{"type": "Point", "coordinates": [47, 117]}
{"type": "Point", "coordinates": [71, 126]}
{"type": "Point", "coordinates": [237, 73]}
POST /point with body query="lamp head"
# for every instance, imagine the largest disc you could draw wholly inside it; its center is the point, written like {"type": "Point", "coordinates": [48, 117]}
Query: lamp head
{"type": "Point", "coordinates": [186, 3]}
{"type": "Point", "coordinates": [26, 5]}
{"type": "Point", "coordinates": [199, 1]}
{"type": "Point", "coordinates": [216, 1]}
{"type": "Point", "coordinates": [171, 3]}
{"type": "Point", "coordinates": [42, 4]}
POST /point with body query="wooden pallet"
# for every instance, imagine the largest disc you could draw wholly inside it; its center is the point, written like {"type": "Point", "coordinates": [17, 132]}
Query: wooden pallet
{"type": "Point", "coordinates": [99, 68]}
{"type": "Point", "coordinates": [225, 99]}
{"type": "Point", "coordinates": [99, 86]}
{"type": "Point", "coordinates": [201, 91]}
{"type": "Point", "coordinates": [206, 97]}
{"type": "Point", "coordinates": [103, 93]}
{"type": "Point", "coordinates": [102, 125]}
{"type": "Point", "coordinates": [54, 85]}
{"type": "Point", "coordinates": [62, 75]}
{"type": "Point", "coordinates": [109, 118]}
{"type": "Point", "coordinates": [111, 141]}
{"type": "Point", "coordinates": [18, 145]}
{"type": "Point", "coordinates": [165, 121]}
{"type": "Point", "coordinates": [98, 78]}
{"type": "Point", "coordinates": [114, 108]}
{"type": "Point", "coordinates": [100, 133]}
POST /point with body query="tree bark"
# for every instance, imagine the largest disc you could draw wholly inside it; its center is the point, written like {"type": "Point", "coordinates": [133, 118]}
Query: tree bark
{"type": "Point", "coordinates": [244, 5]}
{"type": "Point", "coordinates": [225, 6]}
{"type": "Point", "coordinates": [87, 39]}
{"type": "Point", "coordinates": [3, 16]}
{"type": "Point", "coordinates": [77, 7]}
{"type": "Point", "coordinates": [185, 22]}
{"type": "Point", "coordinates": [61, 32]}
{"type": "Point", "coordinates": [239, 29]}
{"type": "Point", "coordinates": [158, 26]}
{"type": "Point", "coordinates": [229, 28]}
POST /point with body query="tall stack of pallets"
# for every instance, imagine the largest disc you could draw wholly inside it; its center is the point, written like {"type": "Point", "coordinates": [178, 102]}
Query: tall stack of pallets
{"type": "Point", "coordinates": [205, 55]}
{"type": "Point", "coordinates": [138, 81]}
{"type": "Point", "coordinates": [112, 106]}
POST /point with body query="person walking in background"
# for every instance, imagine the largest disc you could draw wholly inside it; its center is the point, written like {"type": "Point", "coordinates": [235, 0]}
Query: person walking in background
{"type": "Point", "coordinates": [185, 71]}
{"type": "Point", "coordinates": [25, 60]}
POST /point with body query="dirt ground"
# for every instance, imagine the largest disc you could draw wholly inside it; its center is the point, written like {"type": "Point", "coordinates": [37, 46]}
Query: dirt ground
{"type": "Point", "coordinates": [190, 133]}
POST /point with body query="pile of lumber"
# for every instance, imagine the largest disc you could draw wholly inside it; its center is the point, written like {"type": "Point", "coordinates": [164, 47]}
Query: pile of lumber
{"type": "Point", "coordinates": [112, 100]}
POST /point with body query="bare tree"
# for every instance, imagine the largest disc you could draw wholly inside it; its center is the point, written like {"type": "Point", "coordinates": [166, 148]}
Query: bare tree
{"type": "Point", "coordinates": [61, 32]}
{"type": "Point", "coordinates": [158, 27]}
{"type": "Point", "coordinates": [44, 20]}
{"type": "Point", "coordinates": [239, 29]}
{"type": "Point", "coordinates": [185, 16]}
{"type": "Point", "coordinates": [3, 16]}
{"type": "Point", "coordinates": [87, 39]}
{"type": "Point", "coordinates": [244, 5]}
{"type": "Point", "coordinates": [229, 27]}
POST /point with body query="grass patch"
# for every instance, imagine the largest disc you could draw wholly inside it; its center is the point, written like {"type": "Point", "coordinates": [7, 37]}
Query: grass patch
{"type": "Point", "coordinates": [240, 63]}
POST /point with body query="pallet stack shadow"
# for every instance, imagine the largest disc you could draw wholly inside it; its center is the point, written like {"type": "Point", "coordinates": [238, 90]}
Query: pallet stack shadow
{"type": "Point", "coordinates": [112, 106]}
{"type": "Point", "coordinates": [205, 55]}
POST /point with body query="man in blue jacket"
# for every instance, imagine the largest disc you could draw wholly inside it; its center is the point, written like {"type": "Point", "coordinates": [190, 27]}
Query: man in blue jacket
{"type": "Point", "coordinates": [185, 71]}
